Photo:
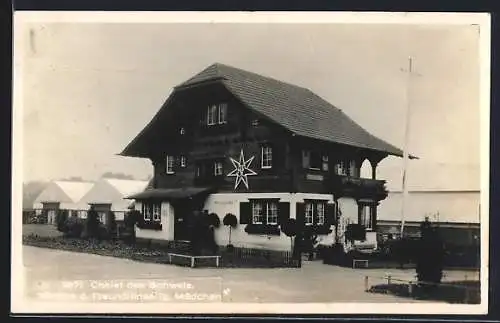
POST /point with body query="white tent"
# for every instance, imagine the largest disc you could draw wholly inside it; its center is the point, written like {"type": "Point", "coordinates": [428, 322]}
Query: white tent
{"type": "Point", "coordinates": [113, 191]}
{"type": "Point", "coordinates": [439, 205]}
{"type": "Point", "coordinates": [67, 193]}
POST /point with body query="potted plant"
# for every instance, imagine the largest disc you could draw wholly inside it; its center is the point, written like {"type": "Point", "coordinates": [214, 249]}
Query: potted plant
{"type": "Point", "coordinates": [231, 221]}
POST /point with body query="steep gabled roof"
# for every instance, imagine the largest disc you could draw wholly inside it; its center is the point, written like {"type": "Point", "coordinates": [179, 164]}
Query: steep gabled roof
{"type": "Point", "coordinates": [296, 108]}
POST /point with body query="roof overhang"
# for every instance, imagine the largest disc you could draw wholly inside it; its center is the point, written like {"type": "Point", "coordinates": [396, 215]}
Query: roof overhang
{"type": "Point", "coordinates": [170, 193]}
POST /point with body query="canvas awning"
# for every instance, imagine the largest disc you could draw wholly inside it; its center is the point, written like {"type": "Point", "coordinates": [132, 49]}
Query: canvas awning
{"type": "Point", "coordinates": [169, 193]}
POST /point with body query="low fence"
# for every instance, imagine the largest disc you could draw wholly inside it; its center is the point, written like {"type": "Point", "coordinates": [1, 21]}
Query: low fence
{"type": "Point", "coordinates": [466, 291]}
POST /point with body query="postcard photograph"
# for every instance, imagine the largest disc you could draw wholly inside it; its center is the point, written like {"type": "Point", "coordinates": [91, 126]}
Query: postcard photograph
{"type": "Point", "coordinates": [250, 163]}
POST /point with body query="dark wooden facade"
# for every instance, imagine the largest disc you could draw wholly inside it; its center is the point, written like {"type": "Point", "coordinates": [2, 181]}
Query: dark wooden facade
{"type": "Point", "coordinates": [187, 137]}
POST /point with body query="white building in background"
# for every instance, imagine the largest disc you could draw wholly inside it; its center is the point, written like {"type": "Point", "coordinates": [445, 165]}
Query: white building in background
{"type": "Point", "coordinates": [62, 195]}
{"type": "Point", "coordinates": [108, 194]}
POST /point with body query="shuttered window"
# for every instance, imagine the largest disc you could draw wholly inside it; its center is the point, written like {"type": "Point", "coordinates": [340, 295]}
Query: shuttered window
{"type": "Point", "coordinates": [316, 212]}
{"type": "Point", "coordinates": [264, 211]}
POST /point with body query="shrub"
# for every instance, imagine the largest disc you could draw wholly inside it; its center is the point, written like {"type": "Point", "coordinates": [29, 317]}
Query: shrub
{"type": "Point", "coordinates": [92, 224]}
{"type": "Point", "coordinates": [111, 224]}
{"type": "Point", "coordinates": [74, 227]}
{"type": "Point", "coordinates": [430, 255]}
{"type": "Point", "coordinates": [62, 216]}
{"type": "Point", "coordinates": [213, 220]}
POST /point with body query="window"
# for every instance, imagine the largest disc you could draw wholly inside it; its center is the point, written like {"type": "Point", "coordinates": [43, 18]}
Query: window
{"type": "Point", "coordinates": [340, 168]}
{"type": "Point", "coordinates": [325, 163]}
{"type": "Point", "coordinates": [217, 114]}
{"type": "Point", "coordinates": [102, 217]}
{"type": "Point", "coordinates": [264, 210]}
{"type": "Point", "coordinates": [170, 164]}
{"type": "Point", "coordinates": [218, 168]}
{"type": "Point", "coordinates": [366, 216]}
{"type": "Point", "coordinates": [272, 213]}
{"type": "Point", "coordinates": [182, 131]}
{"type": "Point", "coordinates": [267, 157]}
{"type": "Point", "coordinates": [311, 159]}
{"type": "Point", "coordinates": [255, 122]}
{"type": "Point", "coordinates": [157, 212]}
{"type": "Point", "coordinates": [309, 213]}
{"type": "Point", "coordinates": [222, 113]}
{"type": "Point", "coordinates": [183, 161]}
{"type": "Point", "coordinates": [151, 212]}
{"type": "Point", "coordinates": [212, 115]}
{"type": "Point", "coordinates": [352, 168]}
{"type": "Point", "coordinates": [315, 212]}
{"type": "Point", "coordinates": [320, 213]}
{"type": "Point", "coordinates": [257, 214]}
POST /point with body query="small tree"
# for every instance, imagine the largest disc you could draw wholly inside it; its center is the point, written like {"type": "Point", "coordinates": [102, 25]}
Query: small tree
{"type": "Point", "coordinates": [430, 255]}
{"type": "Point", "coordinates": [291, 229]}
{"type": "Point", "coordinates": [111, 224]}
{"type": "Point", "coordinates": [92, 224]}
{"type": "Point", "coordinates": [62, 216]}
{"type": "Point", "coordinates": [130, 220]}
{"type": "Point", "coordinates": [231, 221]}
{"type": "Point", "coordinates": [213, 220]}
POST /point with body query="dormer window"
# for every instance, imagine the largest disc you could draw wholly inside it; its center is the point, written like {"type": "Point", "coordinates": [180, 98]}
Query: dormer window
{"type": "Point", "coordinates": [217, 114]}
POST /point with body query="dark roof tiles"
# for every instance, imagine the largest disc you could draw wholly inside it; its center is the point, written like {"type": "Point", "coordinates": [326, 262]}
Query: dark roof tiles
{"type": "Point", "coordinates": [296, 108]}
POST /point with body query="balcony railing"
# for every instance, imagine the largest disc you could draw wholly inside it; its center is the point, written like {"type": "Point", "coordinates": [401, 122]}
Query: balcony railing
{"type": "Point", "coordinates": [357, 187]}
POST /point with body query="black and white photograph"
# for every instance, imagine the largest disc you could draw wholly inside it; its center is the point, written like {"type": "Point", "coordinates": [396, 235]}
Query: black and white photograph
{"type": "Point", "coordinates": [225, 162]}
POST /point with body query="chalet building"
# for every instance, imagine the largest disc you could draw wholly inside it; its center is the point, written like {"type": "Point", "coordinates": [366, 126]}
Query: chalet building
{"type": "Point", "coordinates": [232, 141]}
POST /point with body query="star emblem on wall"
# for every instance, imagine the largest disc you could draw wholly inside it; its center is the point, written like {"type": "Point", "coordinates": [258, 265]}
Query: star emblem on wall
{"type": "Point", "coordinates": [241, 170]}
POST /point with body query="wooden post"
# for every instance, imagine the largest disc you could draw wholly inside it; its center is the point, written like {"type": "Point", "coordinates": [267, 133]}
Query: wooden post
{"type": "Point", "coordinates": [366, 283]}
{"type": "Point", "coordinates": [388, 279]}
{"type": "Point", "coordinates": [410, 289]}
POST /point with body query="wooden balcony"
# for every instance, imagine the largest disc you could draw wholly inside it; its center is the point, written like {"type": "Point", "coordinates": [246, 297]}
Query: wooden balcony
{"type": "Point", "coordinates": [357, 187]}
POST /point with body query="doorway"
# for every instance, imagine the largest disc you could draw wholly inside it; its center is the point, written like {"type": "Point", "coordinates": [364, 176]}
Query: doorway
{"type": "Point", "coordinates": [182, 212]}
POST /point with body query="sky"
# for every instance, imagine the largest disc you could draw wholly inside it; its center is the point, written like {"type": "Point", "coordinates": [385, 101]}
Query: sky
{"type": "Point", "coordinates": [90, 88]}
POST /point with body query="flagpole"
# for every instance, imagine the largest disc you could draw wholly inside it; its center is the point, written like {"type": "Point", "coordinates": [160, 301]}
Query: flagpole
{"type": "Point", "coordinates": [405, 148]}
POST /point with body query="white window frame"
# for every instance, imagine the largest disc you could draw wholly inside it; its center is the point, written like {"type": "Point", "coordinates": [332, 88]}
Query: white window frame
{"type": "Point", "coordinates": [157, 212]}
{"type": "Point", "coordinates": [257, 212]}
{"type": "Point", "coordinates": [212, 115]}
{"type": "Point", "coordinates": [320, 213]}
{"type": "Point", "coordinates": [169, 167]}
{"type": "Point", "coordinates": [315, 212]}
{"type": "Point", "coordinates": [272, 213]}
{"type": "Point", "coordinates": [324, 163]}
{"type": "Point", "coordinates": [152, 211]}
{"type": "Point", "coordinates": [222, 113]}
{"type": "Point", "coordinates": [266, 160]}
{"type": "Point", "coordinates": [218, 168]}
{"type": "Point", "coordinates": [183, 161]}
{"type": "Point", "coordinates": [340, 168]}
{"type": "Point", "coordinates": [309, 213]}
{"type": "Point", "coordinates": [182, 131]}
{"type": "Point", "coordinates": [146, 211]}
